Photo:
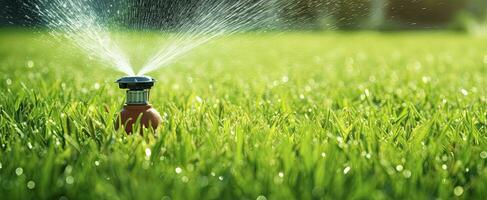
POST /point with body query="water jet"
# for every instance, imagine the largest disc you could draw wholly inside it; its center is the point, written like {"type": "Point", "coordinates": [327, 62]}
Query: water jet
{"type": "Point", "coordinates": [137, 107]}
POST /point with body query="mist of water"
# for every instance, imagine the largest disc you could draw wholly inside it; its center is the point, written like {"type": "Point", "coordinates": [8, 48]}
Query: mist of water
{"type": "Point", "coordinates": [87, 23]}
{"type": "Point", "coordinates": [77, 21]}
{"type": "Point", "coordinates": [210, 22]}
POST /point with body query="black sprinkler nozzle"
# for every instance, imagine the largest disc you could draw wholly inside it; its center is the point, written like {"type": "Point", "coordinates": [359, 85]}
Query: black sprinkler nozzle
{"type": "Point", "coordinates": [136, 82]}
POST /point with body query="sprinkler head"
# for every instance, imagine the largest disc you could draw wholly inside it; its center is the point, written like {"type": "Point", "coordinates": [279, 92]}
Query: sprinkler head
{"type": "Point", "coordinates": [138, 88]}
{"type": "Point", "coordinates": [137, 103]}
{"type": "Point", "coordinates": [136, 82]}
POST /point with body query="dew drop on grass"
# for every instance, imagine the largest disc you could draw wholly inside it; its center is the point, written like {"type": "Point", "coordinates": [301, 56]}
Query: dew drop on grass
{"type": "Point", "coordinates": [69, 180]}
{"type": "Point", "coordinates": [406, 174]}
{"type": "Point", "coordinates": [30, 64]}
{"type": "Point", "coordinates": [323, 154]}
{"type": "Point", "coordinates": [464, 92]}
{"type": "Point", "coordinates": [220, 178]}
{"type": "Point", "coordinates": [444, 167]}
{"type": "Point", "coordinates": [346, 170]}
{"type": "Point", "coordinates": [483, 154]}
{"type": "Point", "coordinates": [458, 191]}
{"type": "Point", "coordinates": [0, 165]}
{"type": "Point", "coordinates": [261, 197]}
{"type": "Point", "coordinates": [285, 79]}
{"type": "Point", "coordinates": [367, 92]}
{"type": "Point", "coordinates": [281, 174]}
{"type": "Point", "coordinates": [399, 168]}
{"type": "Point", "coordinates": [148, 152]}
{"type": "Point", "coordinates": [444, 158]}
{"type": "Point", "coordinates": [97, 163]}
{"type": "Point", "coordinates": [166, 198]}
{"type": "Point", "coordinates": [19, 171]}
{"type": "Point", "coordinates": [9, 82]}
{"type": "Point", "coordinates": [199, 99]}
{"type": "Point", "coordinates": [31, 185]}
{"type": "Point", "coordinates": [68, 169]}
{"type": "Point", "coordinates": [84, 90]}
{"type": "Point", "coordinates": [178, 170]}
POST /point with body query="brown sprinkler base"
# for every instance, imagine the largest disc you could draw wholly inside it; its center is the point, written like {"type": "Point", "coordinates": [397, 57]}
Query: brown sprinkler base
{"type": "Point", "coordinates": [149, 117]}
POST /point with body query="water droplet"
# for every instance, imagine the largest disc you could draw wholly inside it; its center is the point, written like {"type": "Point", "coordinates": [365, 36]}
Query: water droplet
{"type": "Point", "coordinates": [220, 178]}
{"type": "Point", "coordinates": [301, 96]}
{"type": "Point", "coordinates": [199, 99]}
{"type": "Point", "coordinates": [323, 154]}
{"type": "Point", "coordinates": [30, 64]}
{"type": "Point", "coordinates": [69, 180]}
{"type": "Point", "coordinates": [281, 174]}
{"type": "Point", "coordinates": [31, 185]}
{"type": "Point", "coordinates": [346, 170]}
{"type": "Point", "coordinates": [339, 139]}
{"type": "Point", "coordinates": [9, 82]}
{"type": "Point", "coordinates": [184, 179]}
{"type": "Point", "coordinates": [96, 86]}
{"type": "Point", "coordinates": [166, 198]}
{"type": "Point", "coordinates": [406, 173]}
{"type": "Point", "coordinates": [367, 92]}
{"type": "Point", "coordinates": [97, 163]}
{"type": "Point", "coordinates": [19, 171]}
{"type": "Point", "coordinates": [68, 169]}
{"type": "Point", "coordinates": [148, 152]}
{"type": "Point", "coordinates": [483, 154]}
{"type": "Point", "coordinates": [458, 191]}
{"type": "Point", "coordinates": [261, 197]}
{"type": "Point", "coordinates": [285, 79]}
{"type": "Point", "coordinates": [399, 168]}
{"type": "Point", "coordinates": [178, 170]}
{"type": "Point", "coordinates": [444, 167]}
{"type": "Point", "coordinates": [464, 92]}
{"type": "Point", "coordinates": [1, 165]}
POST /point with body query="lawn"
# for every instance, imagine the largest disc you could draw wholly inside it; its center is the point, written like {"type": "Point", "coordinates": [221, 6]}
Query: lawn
{"type": "Point", "coordinates": [253, 116]}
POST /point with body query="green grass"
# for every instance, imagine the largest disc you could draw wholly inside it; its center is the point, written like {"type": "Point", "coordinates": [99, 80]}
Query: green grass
{"type": "Point", "coordinates": [276, 116]}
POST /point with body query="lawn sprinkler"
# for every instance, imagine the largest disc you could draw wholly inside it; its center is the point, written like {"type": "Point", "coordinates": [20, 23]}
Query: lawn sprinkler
{"type": "Point", "coordinates": [137, 103]}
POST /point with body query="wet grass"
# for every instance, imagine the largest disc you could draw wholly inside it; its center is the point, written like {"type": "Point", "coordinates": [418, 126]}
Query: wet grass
{"type": "Point", "coordinates": [289, 116]}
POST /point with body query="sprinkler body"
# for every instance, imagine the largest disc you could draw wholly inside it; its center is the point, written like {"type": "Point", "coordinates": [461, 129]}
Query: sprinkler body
{"type": "Point", "coordinates": [137, 104]}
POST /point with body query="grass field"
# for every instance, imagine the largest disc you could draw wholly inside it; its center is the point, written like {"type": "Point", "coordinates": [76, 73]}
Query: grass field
{"type": "Point", "coordinates": [273, 116]}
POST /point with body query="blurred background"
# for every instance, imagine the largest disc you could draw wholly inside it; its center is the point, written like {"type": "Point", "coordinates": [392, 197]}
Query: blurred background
{"type": "Point", "coordinates": [385, 15]}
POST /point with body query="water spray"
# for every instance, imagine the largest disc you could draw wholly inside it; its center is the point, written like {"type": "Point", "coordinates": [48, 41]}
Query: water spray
{"type": "Point", "coordinates": [137, 107]}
